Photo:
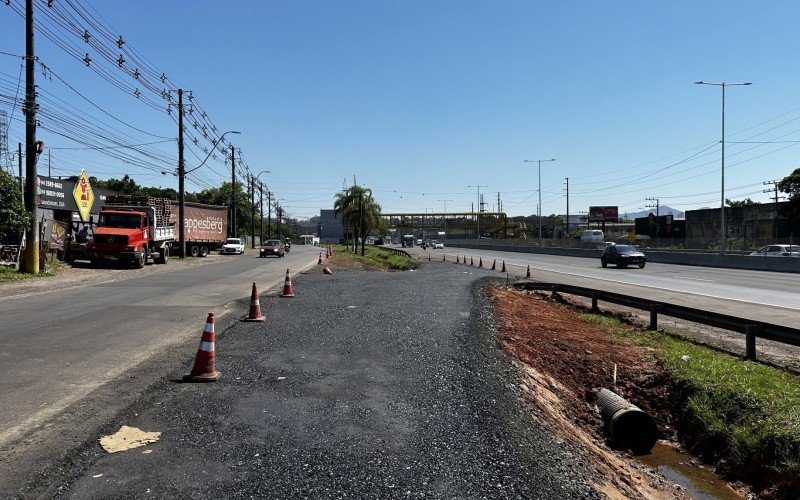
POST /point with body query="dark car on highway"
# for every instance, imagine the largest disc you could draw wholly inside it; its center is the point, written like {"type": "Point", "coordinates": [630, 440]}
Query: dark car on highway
{"type": "Point", "coordinates": [622, 256]}
{"type": "Point", "coordinates": [272, 247]}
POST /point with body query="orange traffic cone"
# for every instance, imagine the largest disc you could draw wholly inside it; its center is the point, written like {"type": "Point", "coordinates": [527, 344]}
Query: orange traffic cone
{"type": "Point", "coordinates": [327, 270]}
{"type": "Point", "coordinates": [504, 267]}
{"type": "Point", "coordinates": [480, 261]}
{"type": "Point", "coordinates": [444, 258]}
{"type": "Point", "coordinates": [255, 307]}
{"type": "Point", "coordinates": [288, 291]}
{"type": "Point", "coordinates": [458, 259]}
{"type": "Point", "coordinates": [320, 259]}
{"type": "Point", "coordinates": [529, 272]}
{"type": "Point", "coordinates": [471, 262]}
{"type": "Point", "coordinates": [494, 264]}
{"type": "Point", "coordinates": [204, 369]}
{"type": "Point", "coordinates": [429, 257]}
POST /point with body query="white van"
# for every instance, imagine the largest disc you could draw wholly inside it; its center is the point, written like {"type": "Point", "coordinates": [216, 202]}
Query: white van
{"type": "Point", "coordinates": [592, 236]}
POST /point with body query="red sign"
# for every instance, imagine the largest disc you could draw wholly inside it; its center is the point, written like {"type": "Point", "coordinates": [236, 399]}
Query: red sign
{"type": "Point", "coordinates": [603, 214]}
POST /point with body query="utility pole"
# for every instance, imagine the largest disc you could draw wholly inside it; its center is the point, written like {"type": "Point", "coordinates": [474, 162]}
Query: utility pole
{"type": "Point", "coordinates": [233, 193]}
{"type": "Point", "coordinates": [269, 213]}
{"type": "Point", "coordinates": [566, 229]}
{"type": "Point", "coordinates": [181, 177]}
{"type": "Point", "coordinates": [32, 234]}
{"type": "Point", "coordinates": [278, 213]}
{"type": "Point", "coordinates": [253, 208]}
{"type": "Point", "coordinates": [774, 189]}
{"type": "Point", "coordinates": [658, 222]}
{"type": "Point", "coordinates": [261, 204]}
{"type": "Point", "coordinates": [49, 172]}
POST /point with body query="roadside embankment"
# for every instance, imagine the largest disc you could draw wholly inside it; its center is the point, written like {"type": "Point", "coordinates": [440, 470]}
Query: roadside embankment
{"type": "Point", "coordinates": [740, 417]}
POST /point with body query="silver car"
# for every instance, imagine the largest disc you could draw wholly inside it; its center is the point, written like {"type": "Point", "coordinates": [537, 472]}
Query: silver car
{"type": "Point", "coordinates": [777, 251]}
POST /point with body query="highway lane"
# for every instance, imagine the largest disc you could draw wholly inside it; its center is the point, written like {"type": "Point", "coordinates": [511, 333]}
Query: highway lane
{"type": "Point", "coordinates": [58, 346]}
{"type": "Point", "coordinates": [754, 287]}
{"type": "Point", "coordinates": [762, 295]}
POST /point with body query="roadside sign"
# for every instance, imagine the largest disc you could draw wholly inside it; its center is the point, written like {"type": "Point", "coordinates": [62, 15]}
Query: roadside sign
{"type": "Point", "coordinates": [84, 197]}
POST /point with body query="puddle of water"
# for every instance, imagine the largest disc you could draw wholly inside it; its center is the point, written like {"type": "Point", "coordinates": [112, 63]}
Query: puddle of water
{"type": "Point", "coordinates": [698, 482]}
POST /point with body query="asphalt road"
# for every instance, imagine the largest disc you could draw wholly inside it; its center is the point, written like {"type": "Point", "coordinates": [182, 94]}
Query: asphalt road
{"type": "Point", "coordinates": [770, 296]}
{"type": "Point", "coordinates": [366, 385]}
{"type": "Point", "coordinates": [57, 347]}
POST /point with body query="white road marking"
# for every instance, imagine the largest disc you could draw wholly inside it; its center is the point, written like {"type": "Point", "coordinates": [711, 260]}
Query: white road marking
{"type": "Point", "coordinates": [693, 279]}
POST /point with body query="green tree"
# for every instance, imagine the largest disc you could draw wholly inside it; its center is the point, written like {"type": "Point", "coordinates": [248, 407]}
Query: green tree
{"type": "Point", "coordinates": [791, 186]}
{"type": "Point", "coordinates": [741, 203]}
{"type": "Point", "coordinates": [13, 217]}
{"type": "Point", "coordinates": [360, 212]}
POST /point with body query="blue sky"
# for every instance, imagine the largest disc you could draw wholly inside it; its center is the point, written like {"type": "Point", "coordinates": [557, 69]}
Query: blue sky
{"type": "Point", "coordinates": [421, 99]}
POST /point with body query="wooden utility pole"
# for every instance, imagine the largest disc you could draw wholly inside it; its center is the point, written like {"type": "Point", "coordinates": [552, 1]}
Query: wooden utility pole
{"type": "Point", "coordinates": [181, 181]}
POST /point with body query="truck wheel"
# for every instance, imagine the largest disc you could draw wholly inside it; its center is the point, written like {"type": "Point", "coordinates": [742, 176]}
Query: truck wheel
{"type": "Point", "coordinates": [163, 257]}
{"type": "Point", "coordinates": [140, 262]}
{"type": "Point", "coordinates": [194, 251]}
{"type": "Point", "coordinates": [203, 251]}
{"type": "Point", "coordinates": [603, 263]}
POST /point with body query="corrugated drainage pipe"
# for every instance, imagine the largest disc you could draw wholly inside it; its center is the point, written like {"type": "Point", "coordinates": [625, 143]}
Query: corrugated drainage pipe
{"type": "Point", "coordinates": [626, 424]}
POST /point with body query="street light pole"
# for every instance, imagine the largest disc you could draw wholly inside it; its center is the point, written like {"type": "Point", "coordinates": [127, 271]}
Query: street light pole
{"type": "Point", "coordinates": [722, 231]}
{"type": "Point", "coordinates": [540, 194]}
{"type": "Point", "coordinates": [478, 218]}
{"type": "Point", "coordinates": [182, 174]}
{"type": "Point", "coordinates": [445, 217]}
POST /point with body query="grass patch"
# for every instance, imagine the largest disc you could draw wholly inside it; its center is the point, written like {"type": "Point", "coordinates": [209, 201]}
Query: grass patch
{"type": "Point", "coordinates": [11, 273]}
{"type": "Point", "coordinates": [748, 411]}
{"type": "Point", "coordinates": [374, 258]}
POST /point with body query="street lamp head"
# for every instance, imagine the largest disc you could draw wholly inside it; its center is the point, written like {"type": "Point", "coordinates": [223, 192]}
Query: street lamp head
{"type": "Point", "coordinates": [701, 82]}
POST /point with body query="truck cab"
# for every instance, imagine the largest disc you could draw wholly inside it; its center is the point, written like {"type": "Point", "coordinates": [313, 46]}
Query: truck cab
{"type": "Point", "coordinates": [130, 234]}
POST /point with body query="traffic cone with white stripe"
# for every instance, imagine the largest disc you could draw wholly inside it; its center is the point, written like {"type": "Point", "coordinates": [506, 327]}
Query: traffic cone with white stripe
{"type": "Point", "coordinates": [444, 258]}
{"type": "Point", "coordinates": [504, 267]}
{"type": "Point", "coordinates": [529, 272]}
{"type": "Point", "coordinates": [458, 259]}
{"type": "Point", "coordinates": [326, 270]}
{"type": "Point", "coordinates": [494, 264]}
{"type": "Point", "coordinates": [319, 262]}
{"type": "Point", "coordinates": [288, 290]}
{"type": "Point", "coordinates": [255, 307]}
{"type": "Point", "coordinates": [429, 257]}
{"type": "Point", "coordinates": [480, 261]}
{"type": "Point", "coordinates": [204, 369]}
{"type": "Point", "coordinates": [471, 261]}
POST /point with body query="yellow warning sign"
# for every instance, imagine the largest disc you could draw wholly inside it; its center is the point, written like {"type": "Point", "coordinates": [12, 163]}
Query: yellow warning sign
{"type": "Point", "coordinates": [84, 197]}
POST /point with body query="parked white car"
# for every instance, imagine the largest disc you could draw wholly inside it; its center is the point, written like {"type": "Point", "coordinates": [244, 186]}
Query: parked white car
{"type": "Point", "coordinates": [233, 246]}
{"type": "Point", "coordinates": [438, 245]}
{"type": "Point", "coordinates": [778, 251]}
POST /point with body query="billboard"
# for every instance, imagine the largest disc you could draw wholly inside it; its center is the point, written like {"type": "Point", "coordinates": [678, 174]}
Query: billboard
{"type": "Point", "coordinates": [603, 214]}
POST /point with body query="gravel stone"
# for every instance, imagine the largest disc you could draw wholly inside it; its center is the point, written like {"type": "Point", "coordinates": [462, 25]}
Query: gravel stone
{"type": "Point", "coordinates": [405, 395]}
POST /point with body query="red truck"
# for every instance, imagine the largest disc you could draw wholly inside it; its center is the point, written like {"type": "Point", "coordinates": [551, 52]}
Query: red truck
{"type": "Point", "coordinates": [132, 229]}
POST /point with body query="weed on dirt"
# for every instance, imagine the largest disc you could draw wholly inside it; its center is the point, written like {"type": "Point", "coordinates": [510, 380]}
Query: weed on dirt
{"type": "Point", "coordinates": [374, 258]}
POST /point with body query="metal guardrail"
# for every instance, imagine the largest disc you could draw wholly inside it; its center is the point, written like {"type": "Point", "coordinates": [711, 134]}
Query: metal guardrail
{"type": "Point", "coordinates": [397, 251]}
{"type": "Point", "coordinates": [749, 327]}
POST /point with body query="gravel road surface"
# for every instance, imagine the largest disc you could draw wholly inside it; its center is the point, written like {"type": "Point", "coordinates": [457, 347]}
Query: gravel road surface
{"type": "Point", "coordinates": [366, 385]}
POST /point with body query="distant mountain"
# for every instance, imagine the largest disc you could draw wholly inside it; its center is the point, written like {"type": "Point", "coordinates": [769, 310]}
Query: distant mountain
{"type": "Point", "coordinates": [662, 210]}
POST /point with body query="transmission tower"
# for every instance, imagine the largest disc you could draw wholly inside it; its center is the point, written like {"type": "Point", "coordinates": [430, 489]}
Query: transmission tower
{"type": "Point", "coordinates": [6, 159]}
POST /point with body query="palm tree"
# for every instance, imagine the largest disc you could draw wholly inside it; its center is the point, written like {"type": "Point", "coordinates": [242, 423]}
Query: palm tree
{"type": "Point", "coordinates": [360, 212]}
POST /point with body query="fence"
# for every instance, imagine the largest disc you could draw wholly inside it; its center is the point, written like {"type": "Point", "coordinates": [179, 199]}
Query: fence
{"type": "Point", "coordinates": [751, 328]}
